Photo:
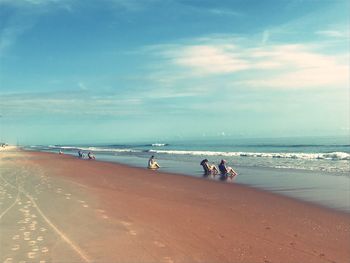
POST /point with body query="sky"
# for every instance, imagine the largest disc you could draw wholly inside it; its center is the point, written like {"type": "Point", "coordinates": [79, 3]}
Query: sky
{"type": "Point", "coordinates": [83, 71]}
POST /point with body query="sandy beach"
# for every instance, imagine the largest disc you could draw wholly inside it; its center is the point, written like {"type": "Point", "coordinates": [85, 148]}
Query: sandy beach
{"type": "Point", "coordinates": [57, 208]}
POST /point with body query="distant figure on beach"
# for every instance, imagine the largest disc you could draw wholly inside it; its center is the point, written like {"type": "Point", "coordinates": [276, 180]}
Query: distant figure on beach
{"type": "Point", "coordinates": [91, 156]}
{"type": "Point", "coordinates": [152, 163]}
{"type": "Point", "coordinates": [60, 152]}
{"type": "Point", "coordinates": [226, 170]}
{"type": "Point", "coordinates": [80, 154]}
{"type": "Point", "coordinates": [209, 168]}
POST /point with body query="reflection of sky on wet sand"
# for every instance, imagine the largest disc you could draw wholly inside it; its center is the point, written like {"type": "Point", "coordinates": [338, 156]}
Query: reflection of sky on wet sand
{"type": "Point", "coordinates": [322, 188]}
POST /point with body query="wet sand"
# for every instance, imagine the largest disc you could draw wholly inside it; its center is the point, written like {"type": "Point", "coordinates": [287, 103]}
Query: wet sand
{"type": "Point", "coordinates": [89, 211]}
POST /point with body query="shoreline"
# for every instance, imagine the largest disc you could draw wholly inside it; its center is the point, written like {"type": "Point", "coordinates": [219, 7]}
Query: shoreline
{"type": "Point", "coordinates": [266, 179]}
{"type": "Point", "coordinates": [140, 215]}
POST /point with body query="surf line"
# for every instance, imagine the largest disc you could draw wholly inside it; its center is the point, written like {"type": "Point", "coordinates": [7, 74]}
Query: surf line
{"type": "Point", "coordinates": [60, 233]}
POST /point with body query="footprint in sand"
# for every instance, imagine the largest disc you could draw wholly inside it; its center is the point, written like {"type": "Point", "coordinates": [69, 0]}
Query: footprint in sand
{"type": "Point", "coordinates": [101, 212]}
{"type": "Point", "coordinates": [85, 205]}
{"type": "Point", "coordinates": [124, 223]}
{"type": "Point", "coordinates": [31, 254]}
{"type": "Point", "coordinates": [40, 238]}
{"type": "Point", "coordinates": [15, 247]}
{"type": "Point", "coordinates": [168, 260]}
{"type": "Point", "coordinates": [31, 242]}
{"type": "Point", "coordinates": [44, 250]}
{"type": "Point", "coordinates": [35, 249]}
{"type": "Point", "coordinates": [15, 237]}
{"type": "Point", "coordinates": [158, 244]}
{"type": "Point", "coordinates": [132, 232]}
{"type": "Point", "coordinates": [8, 260]}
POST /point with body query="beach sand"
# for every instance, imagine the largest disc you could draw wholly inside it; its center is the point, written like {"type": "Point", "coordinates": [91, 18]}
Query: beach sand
{"type": "Point", "coordinates": [57, 208]}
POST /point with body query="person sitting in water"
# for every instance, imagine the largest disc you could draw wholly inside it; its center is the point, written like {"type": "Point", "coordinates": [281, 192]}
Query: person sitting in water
{"type": "Point", "coordinates": [152, 163]}
{"type": "Point", "coordinates": [209, 168]}
{"type": "Point", "coordinates": [91, 156]}
{"type": "Point", "coordinates": [226, 170]}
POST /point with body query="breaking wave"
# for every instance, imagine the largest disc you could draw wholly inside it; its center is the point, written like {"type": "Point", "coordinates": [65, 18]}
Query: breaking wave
{"type": "Point", "coordinates": [305, 156]}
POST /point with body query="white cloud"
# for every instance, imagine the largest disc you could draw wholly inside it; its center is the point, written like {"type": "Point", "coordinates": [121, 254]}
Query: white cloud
{"type": "Point", "coordinates": [274, 66]}
{"type": "Point", "coordinates": [205, 59]}
{"type": "Point", "coordinates": [297, 67]}
{"type": "Point", "coordinates": [333, 33]}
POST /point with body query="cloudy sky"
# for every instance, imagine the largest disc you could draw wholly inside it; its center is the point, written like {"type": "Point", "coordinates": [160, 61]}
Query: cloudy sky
{"type": "Point", "coordinates": [131, 70]}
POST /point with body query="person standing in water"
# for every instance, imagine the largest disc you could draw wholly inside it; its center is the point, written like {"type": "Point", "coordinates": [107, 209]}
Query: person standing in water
{"type": "Point", "coordinates": [152, 163]}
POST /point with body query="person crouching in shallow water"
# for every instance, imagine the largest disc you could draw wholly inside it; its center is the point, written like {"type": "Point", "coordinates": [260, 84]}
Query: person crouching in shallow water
{"type": "Point", "coordinates": [152, 163]}
{"type": "Point", "coordinates": [209, 168]}
{"type": "Point", "coordinates": [91, 156]}
{"type": "Point", "coordinates": [226, 170]}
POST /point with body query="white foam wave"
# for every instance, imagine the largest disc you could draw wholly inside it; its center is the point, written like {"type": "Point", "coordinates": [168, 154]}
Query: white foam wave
{"type": "Point", "coordinates": [308, 156]}
{"type": "Point", "coordinates": [158, 144]}
{"type": "Point", "coordinates": [99, 149]}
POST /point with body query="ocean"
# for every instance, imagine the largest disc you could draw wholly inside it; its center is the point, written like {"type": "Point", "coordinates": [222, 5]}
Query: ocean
{"type": "Point", "coordinates": [313, 169]}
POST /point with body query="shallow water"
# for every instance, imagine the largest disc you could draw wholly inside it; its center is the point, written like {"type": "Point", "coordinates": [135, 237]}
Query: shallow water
{"type": "Point", "coordinates": [315, 170]}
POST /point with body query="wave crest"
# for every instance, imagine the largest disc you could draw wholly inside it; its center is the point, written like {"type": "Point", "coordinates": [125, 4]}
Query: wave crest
{"type": "Point", "coordinates": [305, 156]}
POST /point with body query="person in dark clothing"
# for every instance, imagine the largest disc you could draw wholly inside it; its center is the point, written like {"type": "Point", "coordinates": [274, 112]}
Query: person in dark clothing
{"type": "Point", "coordinates": [226, 170]}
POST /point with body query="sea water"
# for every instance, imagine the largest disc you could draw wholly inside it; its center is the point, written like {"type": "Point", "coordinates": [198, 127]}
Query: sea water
{"type": "Point", "coordinates": [315, 169]}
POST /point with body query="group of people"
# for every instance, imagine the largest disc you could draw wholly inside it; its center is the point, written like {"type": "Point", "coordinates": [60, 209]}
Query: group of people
{"type": "Point", "coordinates": [90, 155]}
{"type": "Point", "coordinates": [209, 169]}
{"type": "Point", "coordinates": [224, 169]}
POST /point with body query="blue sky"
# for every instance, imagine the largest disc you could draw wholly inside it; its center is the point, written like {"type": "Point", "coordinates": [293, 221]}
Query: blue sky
{"type": "Point", "coordinates": [126, 70]}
